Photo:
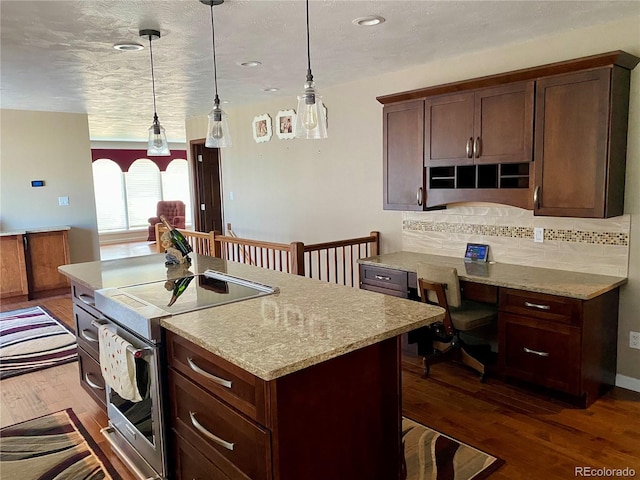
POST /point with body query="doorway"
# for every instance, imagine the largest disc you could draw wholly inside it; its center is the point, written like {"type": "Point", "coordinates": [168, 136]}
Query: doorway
{"type": "Point", "coordinates": [207, 187]}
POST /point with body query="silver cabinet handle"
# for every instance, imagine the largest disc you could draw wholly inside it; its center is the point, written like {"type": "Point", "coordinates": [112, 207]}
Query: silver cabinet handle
{"type": "Point", "coordinates": [419, 196]}
{"type": "Point", "coordinates": [208, 434]}
{"type": "Point", "coordinates": [536, 197]}
{"type": "Point", "coordinates": [382, 277]}
{"type": "Point", "coordinates": [537, 305]}
{"type": "Point", "coordinates": [213, 378]}
{"type": "Point", "coordinates": [469, 152]}
{"type": "Point", "coordinates": [476, 147]}
{"type": "Point", "coordinates": [87, 299]}
{"type": "Point", "coordinates": [87, 337]}
{"type": "Point", "coordinates": [91, 383]}
{"type": "Point", "coordinates": [535, 352]}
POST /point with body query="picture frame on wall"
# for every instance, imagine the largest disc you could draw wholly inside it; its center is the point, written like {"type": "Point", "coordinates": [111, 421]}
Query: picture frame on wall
{"type": "Point", "coordinates": [262, 130]}
{"type": "Point", "coordinates": [285, 122]}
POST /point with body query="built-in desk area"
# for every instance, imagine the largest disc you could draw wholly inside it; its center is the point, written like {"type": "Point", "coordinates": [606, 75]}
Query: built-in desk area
{"type": "Point", "coordinates": [556, 329]}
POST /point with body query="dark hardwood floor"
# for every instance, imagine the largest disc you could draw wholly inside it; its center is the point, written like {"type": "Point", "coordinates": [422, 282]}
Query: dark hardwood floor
{"type": "Point", "coordinates": [538, 436]}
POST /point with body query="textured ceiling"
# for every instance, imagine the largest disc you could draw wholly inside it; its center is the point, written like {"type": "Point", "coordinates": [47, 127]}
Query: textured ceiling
{"type": "Point", "coordinates": [59, 56]}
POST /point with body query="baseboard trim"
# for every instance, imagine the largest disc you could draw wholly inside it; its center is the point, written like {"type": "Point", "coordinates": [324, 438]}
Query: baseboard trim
{"type": "Point", "coordinates": [629, 383]}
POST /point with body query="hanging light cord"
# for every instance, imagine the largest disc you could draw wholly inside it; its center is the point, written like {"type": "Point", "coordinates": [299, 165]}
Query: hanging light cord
{"type": "Point", "coordinates": [309, 75]}
{"type": "Point", "coordinates": [213, 44]}
{"type": "Point", "coordinates": [153, 79]}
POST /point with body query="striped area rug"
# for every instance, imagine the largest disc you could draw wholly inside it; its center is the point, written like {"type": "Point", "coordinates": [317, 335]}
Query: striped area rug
{"type": "Point", "coordinates": [32, 339]}
{"type": "Point", "coordinates": [52, 447]}
{"type": "Point", "coordinates": [430, 455]}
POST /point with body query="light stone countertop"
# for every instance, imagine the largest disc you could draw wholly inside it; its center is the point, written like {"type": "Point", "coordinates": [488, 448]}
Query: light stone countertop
{"type": "Point", "coordinates": [306, 322]}
{"type": "Point", "coordinates": [35, 230]}
{"type": "Point", "coordinates": [583, 286]}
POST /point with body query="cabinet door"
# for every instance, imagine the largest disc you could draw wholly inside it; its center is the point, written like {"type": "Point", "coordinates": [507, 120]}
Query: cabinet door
{"type": "Point", "coordinates": [47, 251]}
{"type": "Point", "coordinates": [13, 272]}
{"type": "Point", "coordinates": [403, 153]}
{"type": "Point", "coordinates": [503, 125]}
{"type": "Point", "coordinates": [449, 130]}
{"type": "Point", "coordinates": [572, 114]}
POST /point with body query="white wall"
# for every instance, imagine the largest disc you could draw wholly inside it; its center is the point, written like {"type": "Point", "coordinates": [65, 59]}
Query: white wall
{"type": "Point", "coordinates": [321, 190]}
{"type": "Point", "coordinates": [53, 147]}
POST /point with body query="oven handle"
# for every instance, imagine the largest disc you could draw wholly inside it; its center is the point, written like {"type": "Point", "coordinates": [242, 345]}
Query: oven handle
{"type": "Point", "coordinates": [106, 433]}
{"type": "Point", "coordinates": [137, 352]}
{"type": "Point", "coordinates": [213, 378]}
{"type": "Point", "coordinates": [208, 434]}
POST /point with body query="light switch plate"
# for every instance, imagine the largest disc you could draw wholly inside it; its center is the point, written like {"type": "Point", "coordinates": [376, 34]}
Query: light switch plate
{"type": "Point", "coordinates": [538, 234]}
{"type": "Point", "coordinates": [63, 201]}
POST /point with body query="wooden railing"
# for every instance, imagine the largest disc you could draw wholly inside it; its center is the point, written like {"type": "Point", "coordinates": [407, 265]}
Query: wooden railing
{"type": "Point", "coordinates": [335, 262]}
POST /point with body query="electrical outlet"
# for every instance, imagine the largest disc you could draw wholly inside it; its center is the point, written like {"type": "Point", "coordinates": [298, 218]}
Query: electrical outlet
{"type": "Point", "coordinates": [538, 234]}
{"type": "Point", "coordinates": [634, 340]}
{"type": "Point", "coordinates": [63, 201]}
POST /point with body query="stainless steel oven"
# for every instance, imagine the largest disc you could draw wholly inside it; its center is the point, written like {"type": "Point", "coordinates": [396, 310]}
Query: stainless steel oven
{"type": "Point", "coordinates": [136, 430]}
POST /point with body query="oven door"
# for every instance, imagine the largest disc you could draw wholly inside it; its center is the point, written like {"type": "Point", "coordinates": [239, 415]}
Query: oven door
{"type": "Point", "coordinates": [139, 423]}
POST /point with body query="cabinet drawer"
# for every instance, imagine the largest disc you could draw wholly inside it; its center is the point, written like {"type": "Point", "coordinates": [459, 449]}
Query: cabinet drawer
{"type": "Point", "coordinates": [384, 278]}
{"type": "Point", "coordinates": [540, 305]}
{"type": "Point", "coordinates": [544, 353]}
{"type": "Point", "coordinates": [191, 464]}
{"type": "Point", "coordinates": [87, 334]}
{"type": "Point", "coordinates": [91, 378]}
{"type": "Point", "coordinates": [236, 445]}
{"type": "Point", "coordinates": [235, 386]}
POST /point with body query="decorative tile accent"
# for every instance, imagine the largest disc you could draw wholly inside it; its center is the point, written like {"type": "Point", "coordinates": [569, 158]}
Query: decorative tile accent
{"type": "Point", "coordinates": [562, 235]}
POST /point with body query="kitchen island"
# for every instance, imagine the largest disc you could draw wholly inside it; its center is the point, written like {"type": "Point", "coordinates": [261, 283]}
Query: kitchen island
{"type": "Point", "coordinates": [303, 383]}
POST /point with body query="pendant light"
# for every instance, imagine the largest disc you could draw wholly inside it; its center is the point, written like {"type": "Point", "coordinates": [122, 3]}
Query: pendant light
{"type": "Point", "coordinates": [158, 146]}
{"type": "Point", "coordinates": [310, 117]}
{"type": "Point", "coordinates": [218, 135]}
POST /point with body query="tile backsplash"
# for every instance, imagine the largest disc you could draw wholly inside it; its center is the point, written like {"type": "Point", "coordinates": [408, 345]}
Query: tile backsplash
{"type": "Point", "coordinates": [583, 245]}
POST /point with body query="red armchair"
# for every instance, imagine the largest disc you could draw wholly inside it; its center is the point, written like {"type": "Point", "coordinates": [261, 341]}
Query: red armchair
{"type": "Point", "coordinates": [174, 210]}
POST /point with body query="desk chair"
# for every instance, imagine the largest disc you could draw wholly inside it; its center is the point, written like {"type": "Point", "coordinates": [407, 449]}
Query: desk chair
{"type": "Point", "coordinates": [440, 285]}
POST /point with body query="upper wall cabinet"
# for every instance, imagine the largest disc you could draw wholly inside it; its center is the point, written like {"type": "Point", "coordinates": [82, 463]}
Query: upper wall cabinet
{"type": "Point", "coordinates": [403, 147]}
{"type": "Point", "coordinates": [490, 126]}
{"type": "Point", "coordinates": [480, 141]}
{"type": "Point", "coordinates": [581, 125]}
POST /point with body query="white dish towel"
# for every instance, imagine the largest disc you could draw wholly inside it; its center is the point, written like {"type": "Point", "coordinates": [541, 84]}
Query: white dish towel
{"type": "Point", "coordinates": [118, 364]}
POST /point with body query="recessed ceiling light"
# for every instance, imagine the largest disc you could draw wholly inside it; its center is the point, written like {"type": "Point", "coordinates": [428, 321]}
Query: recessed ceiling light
{"type": "Point", "coordinates": [271, 89]}
{"type": "Point", "coordinates": [225, 101]}
{"type": "Point", "coordinates": [128, 47]}
{"type": "Point", "coordinates": [369, 21]}
{"type": "Point", "coordinates": [250, 63]}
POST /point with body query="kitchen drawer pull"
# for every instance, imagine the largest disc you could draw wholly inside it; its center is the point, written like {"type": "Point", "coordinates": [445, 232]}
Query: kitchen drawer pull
{"type": "Point", "coordinates": [213, 378]}
{"type": "Point", "coordinates": [92, 384]}
{"type": "Point", "coordinates": [383, 277]}
{"type": "Point", "coordinates": [87, 299]}
{"type": "Point", "coordinates": [469, 152]}
{"type": "Point", "coordinates": [536, 305]}
{"type": "Point", "coordinates": [419, 196]}
{"type": "Point", "coordinates": [476, 148]}
{"type": "Point", "coordinates": [87, 337]}
{"type": "Point", "coordinates": [208, 434]}
{"type": "Point", "coordinates": [535, 352]}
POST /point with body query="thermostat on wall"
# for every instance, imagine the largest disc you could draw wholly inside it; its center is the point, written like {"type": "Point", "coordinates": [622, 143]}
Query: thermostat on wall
{"type": "Point", "coordinates": [37, 183]}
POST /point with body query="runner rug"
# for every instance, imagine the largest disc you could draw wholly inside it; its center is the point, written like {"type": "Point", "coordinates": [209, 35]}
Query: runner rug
{"type": "Point", "coordinates": [430, 455]}
{"type": "Point", "coordinates": [55, 446]}
{"type": "Point", "coordinates": [32, 339]}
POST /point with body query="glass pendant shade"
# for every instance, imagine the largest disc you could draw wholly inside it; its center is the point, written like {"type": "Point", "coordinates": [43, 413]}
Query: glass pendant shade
{"type": "Point", "coordinates": [158, 146]}
{"type": "Point", "coordinates": [218, 135]}
{"type": "Point", "coordinates": [311, 121]}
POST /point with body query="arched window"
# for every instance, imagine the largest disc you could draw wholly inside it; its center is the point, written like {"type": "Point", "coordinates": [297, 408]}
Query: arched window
{"type": "Point", "coordinates": [175, 185]}
{"type": "Point", "coordinates": [143, 191]}
{"type": "Point", "coordinates": [108, 186]}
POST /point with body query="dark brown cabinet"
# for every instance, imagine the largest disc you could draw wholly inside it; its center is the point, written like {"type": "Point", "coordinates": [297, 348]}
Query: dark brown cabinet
{"type": "Point", "coordinates": [488, 126]}
{"type": "Point", "coordinates": [479, 140]}
{"type": "Point", "coordinates": [403, 154]}
{"type": "Point", "coordinates": [580, 149]}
